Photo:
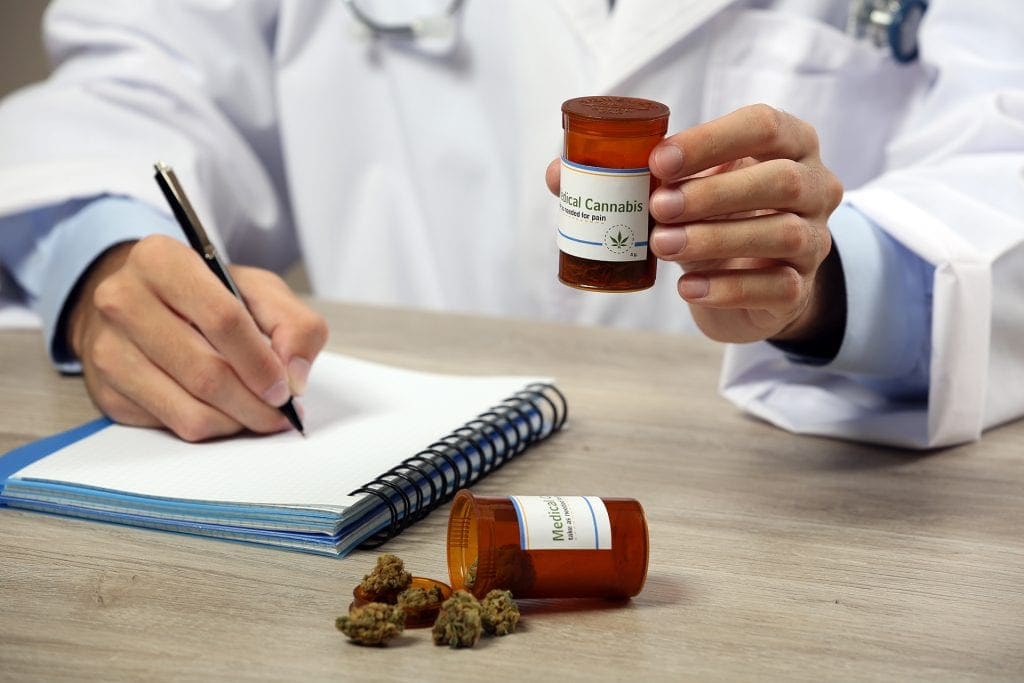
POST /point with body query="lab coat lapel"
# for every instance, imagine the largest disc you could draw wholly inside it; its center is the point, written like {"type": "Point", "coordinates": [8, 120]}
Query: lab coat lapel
{"type": "Point", "coordinates": [637, 31]}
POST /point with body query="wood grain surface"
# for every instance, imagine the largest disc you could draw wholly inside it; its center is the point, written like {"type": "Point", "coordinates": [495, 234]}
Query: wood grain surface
{"type": "Point", "coordinates": [773, 556]}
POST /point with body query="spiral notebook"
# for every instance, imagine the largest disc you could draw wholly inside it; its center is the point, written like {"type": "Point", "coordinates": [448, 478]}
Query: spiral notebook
{"type": "Point", "coordinates": [384, 447]}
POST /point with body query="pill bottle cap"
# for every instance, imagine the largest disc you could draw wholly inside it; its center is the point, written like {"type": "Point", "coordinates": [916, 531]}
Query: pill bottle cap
{"type": "Point", "coordinates": [615, 116]}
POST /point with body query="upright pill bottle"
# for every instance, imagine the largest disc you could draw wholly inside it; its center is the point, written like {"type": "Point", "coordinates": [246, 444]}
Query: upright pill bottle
{"type": "Point", "coordinates": [603, 219]}
{"type": "Point", "coordinates": [547, 546]}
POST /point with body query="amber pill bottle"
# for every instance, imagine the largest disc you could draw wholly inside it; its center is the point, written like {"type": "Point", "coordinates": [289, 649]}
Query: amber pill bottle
{"type": "Point", "coordinates": [547, 546]}
{"type": "Point", "coordinates": [603, 220]}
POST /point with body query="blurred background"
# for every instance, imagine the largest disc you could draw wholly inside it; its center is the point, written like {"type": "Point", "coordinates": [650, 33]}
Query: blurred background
{"type": "Point", "coordinates": [22, 59]}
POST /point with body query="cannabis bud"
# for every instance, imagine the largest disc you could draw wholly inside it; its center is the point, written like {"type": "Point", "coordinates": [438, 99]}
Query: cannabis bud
{"type": "Point", "coordinates": [372, 624]}
{"type": "Point", "coordinates": [387, 579]}
{"type": "Point", "coordinates": [458, 623]}
{"type": "Point", "coordinates": [418, 597]}
{"type": "Point", "coordinates": [499, 613]}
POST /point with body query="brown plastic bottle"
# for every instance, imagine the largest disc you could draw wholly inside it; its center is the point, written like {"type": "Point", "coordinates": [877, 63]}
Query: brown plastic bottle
{"type": "Point", "coordinates": [605, 187]}
{"type": "Point", "coordinates": [547, 546]}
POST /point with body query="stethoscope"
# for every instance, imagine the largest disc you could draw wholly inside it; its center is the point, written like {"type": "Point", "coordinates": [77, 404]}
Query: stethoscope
{"type": "Point", "coordinates": [892, 23]}
{"type": "Point", "coordinates": [888, 22]}
{"type": "Point", "coordinates": [433, 25]}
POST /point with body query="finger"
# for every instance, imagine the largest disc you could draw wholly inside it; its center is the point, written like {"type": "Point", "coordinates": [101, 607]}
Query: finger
{"type": "Point", "coordinates": [781, 236]}
{"type": "Point", "coordinates": [553, 176]}
{"type": "Point", "coordinates": [757, 131]}
{"type": "Point", "coordinates": [119, 367]}
{"type": "Point", "coordinates": [778, 184]}
{"type": "Point", "coordinates": [117, 406]}
{"type": "Point", "coordinates": [181, 353]}
{"type": "Point", "coordinates": [779, 289]}
{"type": "Point", "coordinates": [297, 332]}
{"type": "Point", "coordinates": [181, 280]}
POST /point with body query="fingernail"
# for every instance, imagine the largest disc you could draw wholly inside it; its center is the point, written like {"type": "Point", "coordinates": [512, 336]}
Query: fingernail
{"type": "Point", "coordinates": [694, 287]}
{"type": "Point", "coordinates": [668, 241]}
{"type": "Point", "coordinates": [277, 394]}
{"type": "Point", "coordinates": [298, 375]}
{"type": "Point", "coordinates": [667, 161]}
{"type": "Point", "coordinates": [666, 205]}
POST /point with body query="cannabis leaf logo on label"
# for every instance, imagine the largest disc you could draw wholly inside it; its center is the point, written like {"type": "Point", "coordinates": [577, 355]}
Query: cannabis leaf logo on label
{"type": "Point", "coordinates": [618, 239]}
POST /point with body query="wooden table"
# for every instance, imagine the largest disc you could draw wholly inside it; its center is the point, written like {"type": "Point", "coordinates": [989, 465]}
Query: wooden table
{"type": "Point", "coordinates": [772, 556]}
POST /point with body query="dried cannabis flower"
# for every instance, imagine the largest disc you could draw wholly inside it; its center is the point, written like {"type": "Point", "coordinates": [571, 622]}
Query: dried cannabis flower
{"type": "Point", "coordinates": [387, 579]}
{"type": "Point", "coordinates": [372, 624]}
{"type": "Point", "coordinates": [418, 597]}
{"type": "Point", "coordinates": [470, 579]}
{"type": "Point", "coordinates": [458, 623]}
{"type": "Point", "coordinates": [499, 613]}
{"type": "Point", "coordinates": [513, 569]}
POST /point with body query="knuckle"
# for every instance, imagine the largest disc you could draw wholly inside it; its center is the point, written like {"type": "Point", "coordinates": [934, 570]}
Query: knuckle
{"type": "Point", "coordinates": [110, 402]}
{"type": "Point", "coordinates": [823, 240]}
{"type": "Point", "coordinates": [833, 191]}
{"type": "Point", "coordinates": [103, 354]}
{"type": "Point", "coordinates": [790, 286]}
{"type": "Point", "coordinates": [793, 235]}
{"type": "Point", "coordinates": [809, 135]}
{"type": "Point", "coordinates": [316, 329]}
{"type": "Point", "coordinates": [195, 425]}
{"type": "Point", "coordinates": [226, 318]}
{"type": "Point", "coordinates": [767, 120]}
{"type": "Point", "coordinates": [151, 249]}
{"type": "Point", "coordinates": [207, 379]}
{"type": "Point", "coordinates": [790, 182]}
{"type": "Point", "coordinates": [110, 297]}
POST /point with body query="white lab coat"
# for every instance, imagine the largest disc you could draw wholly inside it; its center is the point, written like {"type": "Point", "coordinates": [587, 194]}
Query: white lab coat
{"type": "Point", "coordinates": [411, 173]}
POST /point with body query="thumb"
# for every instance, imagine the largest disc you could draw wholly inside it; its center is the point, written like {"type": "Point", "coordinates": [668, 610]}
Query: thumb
{"type": "Point", "coordinates": [553, 176]}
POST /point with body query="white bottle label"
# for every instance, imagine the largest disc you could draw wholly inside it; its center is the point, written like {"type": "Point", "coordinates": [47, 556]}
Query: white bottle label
{"type": "Point", "coordinates": [603, 212]}
{"type": "Point", "coordinates": [562, 523]}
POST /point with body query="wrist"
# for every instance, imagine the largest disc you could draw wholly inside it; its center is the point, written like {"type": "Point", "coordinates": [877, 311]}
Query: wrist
{"type": "Point", "coordinates": [818, 333]}
{"type": "Point", "coordinates": [80, 302]}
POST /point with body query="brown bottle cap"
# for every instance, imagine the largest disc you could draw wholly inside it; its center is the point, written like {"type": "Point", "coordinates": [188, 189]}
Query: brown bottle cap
{"type": "Point", "coordinates": [612, 108]}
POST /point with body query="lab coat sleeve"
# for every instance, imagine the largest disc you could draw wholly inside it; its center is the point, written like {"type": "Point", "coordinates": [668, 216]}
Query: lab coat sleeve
{"type": "Point", "coordinates": [880, 373]}
{"type": "Point", "coordinates": [48, 249]}
{"type": "Point", "coordinates": [141, 81]}
{"type": "Point", "coordinates": [953, 196]}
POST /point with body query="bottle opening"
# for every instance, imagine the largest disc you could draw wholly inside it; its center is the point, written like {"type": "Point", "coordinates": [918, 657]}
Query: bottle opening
{"type": "Point", "coordinates": [462, 541]}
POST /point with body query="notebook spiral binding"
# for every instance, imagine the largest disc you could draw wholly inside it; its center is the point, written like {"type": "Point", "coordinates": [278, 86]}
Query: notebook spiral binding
{"type": "Point", "coordinates": [432, 477]}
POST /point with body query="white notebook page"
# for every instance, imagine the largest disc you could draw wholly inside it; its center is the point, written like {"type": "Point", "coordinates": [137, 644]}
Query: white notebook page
{"type": "Point", "coordinates": [361, 419]}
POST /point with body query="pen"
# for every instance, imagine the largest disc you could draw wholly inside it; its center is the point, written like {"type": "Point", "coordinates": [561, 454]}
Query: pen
{"type": "Point", "coordinates": [193, 229]}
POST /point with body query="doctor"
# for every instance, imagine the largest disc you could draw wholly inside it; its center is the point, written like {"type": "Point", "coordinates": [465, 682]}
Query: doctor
{"type": "Point", "coordinates": [405, 170]}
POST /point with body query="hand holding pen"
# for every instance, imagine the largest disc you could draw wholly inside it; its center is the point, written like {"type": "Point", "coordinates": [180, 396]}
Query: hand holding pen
{"type": "Point", "coordinates": [163, 342]}
{"type": "Point", "coordinates": [200, 242]}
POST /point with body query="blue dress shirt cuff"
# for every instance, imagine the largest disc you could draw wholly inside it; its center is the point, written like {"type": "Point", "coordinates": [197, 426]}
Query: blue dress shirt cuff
{"type": "Point", "coordinates": [75, 243]}
{"type": "Point", "coordinates": [888, 305]}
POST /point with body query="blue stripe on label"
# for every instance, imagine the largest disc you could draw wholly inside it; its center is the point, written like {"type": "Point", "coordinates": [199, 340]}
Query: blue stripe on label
{"type": "Point", "coordinates": [522, 526]}
{"type": "Point", "coordinates": [609, 171]}
{"type": "Point", "coordinates": [576, 239]}
{"type": "Point", "coordinates": [593, 519]}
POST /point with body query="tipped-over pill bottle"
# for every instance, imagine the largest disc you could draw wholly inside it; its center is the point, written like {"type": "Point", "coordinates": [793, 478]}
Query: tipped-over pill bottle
{"type": "Point", "coordinates": [603, 218]}
{"type": "Point", "coordinates": [547, 546]}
